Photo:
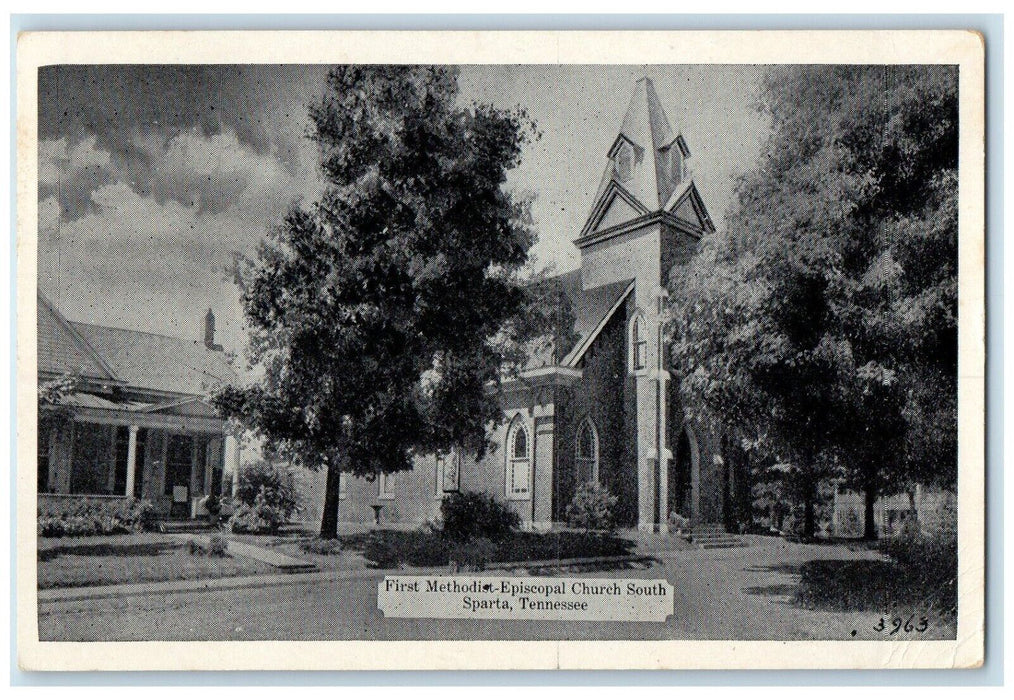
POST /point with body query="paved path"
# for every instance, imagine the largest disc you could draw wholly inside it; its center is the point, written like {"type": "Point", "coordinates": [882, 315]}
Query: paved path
{"type": "Point", "coordinates": [720, 594]}
{"type": "Point", "coordinates": [280, 561]}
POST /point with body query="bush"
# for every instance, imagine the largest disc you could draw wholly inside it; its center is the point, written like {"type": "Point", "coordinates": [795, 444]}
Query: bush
{"type": "Point", "coordinates": [216, 548]}
{"type": "Point", "coordinates": [387, 549]}
{"type": "Point", "coordinates": [468, 516]}
{"type": "Point", "coordinates": [929, 563]}
{"type": "Point", "coordinates": [327, 548]}
{"type": "Point", "coordinates": [533, 546]}
{"type": "Point", "coordinates": [472, 555]}
{"type": "Point", "coordinates": [263, 484]}
{"type": "Point", "coordinates": [84, 517]}
{"type": "Point", "coordinates": [382, 553]}
{"type": "Point", "coordinates": [592, 508]}
{"type": "Point", "coordinates": [260, 518]}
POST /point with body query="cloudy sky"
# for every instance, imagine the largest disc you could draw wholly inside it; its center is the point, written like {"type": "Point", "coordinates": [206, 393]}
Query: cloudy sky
{"type": "Point", "coordinates": [151, 177]}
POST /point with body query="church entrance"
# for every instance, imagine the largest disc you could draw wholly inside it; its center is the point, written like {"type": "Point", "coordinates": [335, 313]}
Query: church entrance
{"type": "Point", "coordinates": [680, 478]}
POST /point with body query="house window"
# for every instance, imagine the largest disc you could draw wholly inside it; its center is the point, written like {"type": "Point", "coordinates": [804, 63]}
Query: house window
{"type": "Point", "coordinates": [448, 473]}
{"type": "Point", "coordinates": [623, 161]}
{"type": "Point", "coordinates": [385, 489]}
{"type": "Point", "coordinates": [93, 459]}
{"type": "Point", "coordinates": [638, 344]}
{"type": "Point", "coordinates": [44, 441]}
{"type": "Point", "coordinates": [518, 461]}
{"type": "Point", "coordinates": [586, 452]}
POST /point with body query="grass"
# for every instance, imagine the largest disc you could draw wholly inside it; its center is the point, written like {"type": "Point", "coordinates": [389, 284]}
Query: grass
{"type": "Point", "coordinates": [136, 558]}
{"type": "Point", "coordinates": [872, 586]}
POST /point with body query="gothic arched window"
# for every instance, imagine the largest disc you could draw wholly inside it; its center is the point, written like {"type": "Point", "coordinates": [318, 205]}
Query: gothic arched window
{"type": "Point", "coordinates": [519, 461]}
{"type": "Point", "coordinates": [586, 452]}
{"type": "Point", "coordinates": [638, 344]}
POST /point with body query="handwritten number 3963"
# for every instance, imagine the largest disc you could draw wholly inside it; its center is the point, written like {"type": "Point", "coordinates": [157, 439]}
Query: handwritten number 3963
{"type": "Point", "coordinates": [898, 624]}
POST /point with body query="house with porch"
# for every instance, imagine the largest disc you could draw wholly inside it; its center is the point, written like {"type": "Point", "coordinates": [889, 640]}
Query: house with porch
{"type": "Point", "coordinates": [601, 405]}
{"type": "Point", "coordinates": [136, 421]}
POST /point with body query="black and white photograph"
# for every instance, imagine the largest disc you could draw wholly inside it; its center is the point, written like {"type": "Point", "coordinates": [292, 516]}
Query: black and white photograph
{"type": "Point", "coordinates": [589, 351]}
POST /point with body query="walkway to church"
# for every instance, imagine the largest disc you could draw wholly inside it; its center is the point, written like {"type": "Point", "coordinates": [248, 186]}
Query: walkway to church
{"type": "Point", "coordinates": [720, 594]}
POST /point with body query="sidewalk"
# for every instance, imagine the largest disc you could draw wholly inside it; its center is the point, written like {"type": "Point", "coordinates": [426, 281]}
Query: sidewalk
{"type": "Point", "coordinates": [280, 561]}
{"type": "Point", "coordinates": [53, 595]}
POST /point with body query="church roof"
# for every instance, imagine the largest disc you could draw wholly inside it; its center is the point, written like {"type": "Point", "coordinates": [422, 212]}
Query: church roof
{"type": "Point", "coordinates": [591, 308]}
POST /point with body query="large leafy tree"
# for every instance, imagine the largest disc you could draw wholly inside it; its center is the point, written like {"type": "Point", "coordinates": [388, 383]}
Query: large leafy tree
{"type": "Point", "coordinates": [821, 323]}
{"type": "Point", "coordinates": [385, 315]}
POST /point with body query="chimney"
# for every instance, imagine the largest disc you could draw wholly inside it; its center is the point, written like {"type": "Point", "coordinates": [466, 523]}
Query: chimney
{"type": "Point", "coordinates": [209, 331]}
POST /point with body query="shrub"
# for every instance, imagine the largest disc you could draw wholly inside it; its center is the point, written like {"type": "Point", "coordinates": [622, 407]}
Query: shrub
{"type": "Point", "coordinates": [533, 546]}
{"type": "Point", "coordinates": [84, 517]}
{"type": "Point", "coordinates": [327, 548]}
{"type": "Point", "coordinates": [592, 508]}
{"type": "Point", "coordinates": [929, 562]}
{"type": "Point", "coordinates": [260, 518]}
{"type": "Point", "coordinates": [472, 555]}
{"type": "Point", "coordinates": [389, 548]}
{"type": "Point", "coordinates": [273, 486]}
{"type": "Point", "coordinates": [381, 553]}
{"type": "Point", "coordinates": [469, 516]}
{"type": "Point", "coordinates": [217, 547]}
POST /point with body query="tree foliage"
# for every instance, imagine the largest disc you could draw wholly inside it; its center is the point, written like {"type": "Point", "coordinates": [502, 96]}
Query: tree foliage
{"type": "Point", "coordinates": [52, 410]}
{"type": "Point", "coordinates": [821, 323]}
{"type": "Point", "coordinates": [383, 314]}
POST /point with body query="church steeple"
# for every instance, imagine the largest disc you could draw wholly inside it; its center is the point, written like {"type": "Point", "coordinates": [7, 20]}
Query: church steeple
{"type": "Point", "coordinates": [646, 204]}
{"type": "Point", "coordinates": [647, 159]}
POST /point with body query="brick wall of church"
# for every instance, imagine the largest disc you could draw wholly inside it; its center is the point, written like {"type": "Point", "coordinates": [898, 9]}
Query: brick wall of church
{"type": "Point", "coordinates": [606, 395]}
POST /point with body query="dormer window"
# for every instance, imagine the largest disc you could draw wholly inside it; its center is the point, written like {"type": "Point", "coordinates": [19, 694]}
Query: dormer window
{"type": "Point", "coordinates": [623, 161]}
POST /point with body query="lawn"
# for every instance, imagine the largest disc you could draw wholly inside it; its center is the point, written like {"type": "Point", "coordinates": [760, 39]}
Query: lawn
{"type": "Point", "coordinates": [135, 558]}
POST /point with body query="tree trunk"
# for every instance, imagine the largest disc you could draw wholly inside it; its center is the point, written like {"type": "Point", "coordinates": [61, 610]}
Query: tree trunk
{"type": "Point", "coordinates": [809, 519]}
{"type": "Point", "coordinates": [914, 526]}
{"type": "Point", "coordinates": [332, 497]}
{"type": "Point", "coordinates": [869, 518]}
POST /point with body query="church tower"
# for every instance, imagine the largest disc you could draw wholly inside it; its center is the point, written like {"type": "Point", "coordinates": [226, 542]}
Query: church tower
{"type": "Point", "coordinates": [646, 217]}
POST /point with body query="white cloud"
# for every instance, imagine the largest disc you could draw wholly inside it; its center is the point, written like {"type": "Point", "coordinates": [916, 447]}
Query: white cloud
{"type": "Point", "coordinates": [57, 160]}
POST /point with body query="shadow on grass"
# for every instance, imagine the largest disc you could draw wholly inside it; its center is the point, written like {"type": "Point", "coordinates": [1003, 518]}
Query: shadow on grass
{"type": "Point", "coordinates": [860, 585]}
{"type": "Point", "coordinates": [137, 549]}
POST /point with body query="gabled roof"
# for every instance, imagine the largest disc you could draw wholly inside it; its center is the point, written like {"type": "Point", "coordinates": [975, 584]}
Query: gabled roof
{"type": "Point", "coordinates": [603, 205]}
{"type": "Point", "coordinates": [62, 349]}
{"type": "Point", "coordinates": [592, 308]}
{"type": "Point", "coordinates": [687, 204]}
{"type": "Point", "coordinates": [158, 362]}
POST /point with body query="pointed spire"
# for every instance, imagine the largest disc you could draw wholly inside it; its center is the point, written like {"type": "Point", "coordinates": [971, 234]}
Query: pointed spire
{"type": "Point", "coordinates": [646, 159]}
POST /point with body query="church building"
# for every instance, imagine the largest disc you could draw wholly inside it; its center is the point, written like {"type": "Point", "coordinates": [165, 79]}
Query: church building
{"type": "Point", "coordinates": [605, 408]}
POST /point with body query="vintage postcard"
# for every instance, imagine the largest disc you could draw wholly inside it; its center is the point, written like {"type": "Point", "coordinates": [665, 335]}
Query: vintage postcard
{"type": "Point", "coordinates": [500, 350]}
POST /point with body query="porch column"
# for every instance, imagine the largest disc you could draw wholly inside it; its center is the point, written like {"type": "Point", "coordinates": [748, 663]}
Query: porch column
{"type": "Point", "coordinates": [232, 459]}
{"type": "Point", "coordinates": [131, 460]}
